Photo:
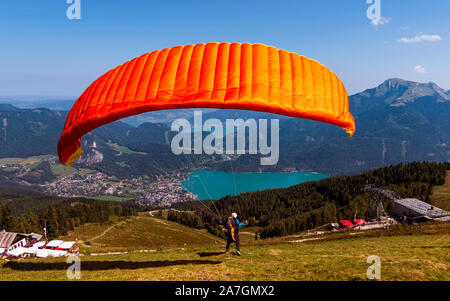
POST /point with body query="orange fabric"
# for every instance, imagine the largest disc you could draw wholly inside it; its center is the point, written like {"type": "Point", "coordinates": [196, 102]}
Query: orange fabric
{"type": "Point", "coordinates": [230, 226]}
{"type": "Point", "coordinates": [226, 76]}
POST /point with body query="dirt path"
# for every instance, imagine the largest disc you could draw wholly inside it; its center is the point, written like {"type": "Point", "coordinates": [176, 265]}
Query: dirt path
{"type": "Point", "coordinates": [306, 239]}
{"type": "Point", "coordinates": [85, 243]}
{"type": "Point", "coordinates": [248, 233]}
{"type": "Point", "coordinates": [199, 231]}
{"type": "Point", "coordinates": [107, 230]}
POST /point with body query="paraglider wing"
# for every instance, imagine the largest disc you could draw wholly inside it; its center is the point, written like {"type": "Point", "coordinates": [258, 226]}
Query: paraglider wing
{"type": "Point", "coordinates": [213, 75]}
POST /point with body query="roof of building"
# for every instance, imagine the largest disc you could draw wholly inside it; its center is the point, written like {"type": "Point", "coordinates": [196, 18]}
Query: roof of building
{"type": "Point", "coordinates": [422, 208]}
{"type": "Point", "coordinates": [39, 244]}
{"type": "Point", "coordinates": [444, 219]}
{"type": "Point", "coordinates": [346, 223]}
{"type": "Point", "coordinates": [17, 252]}
{"type": "Point", "coordinates": [54, 243]}
{"type": "Point", "coordinates": [32, 250]}
{"type": "Point", "coordinates": [34, 236]}
{"type": "Point", "coordinates": [57, 253]}
{"type": "Point", "coordinates": [35, 248]}
{"type": "Point", "coordinates": [360, 222]}
{"type": "Point", "coordinates": [66, 245]}
{"type": "Point", "coordinates": [6, 239]}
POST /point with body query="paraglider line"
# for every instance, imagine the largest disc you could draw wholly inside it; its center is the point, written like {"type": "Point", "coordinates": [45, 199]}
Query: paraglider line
{"type": "Point", "coordinates": [232, 175]}
{"type": "Point", "coordinates": [207, 191]}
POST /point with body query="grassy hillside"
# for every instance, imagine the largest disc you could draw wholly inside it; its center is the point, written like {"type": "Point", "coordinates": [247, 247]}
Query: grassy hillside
{"type": "Point", "coordinates": [441, 194]}
{"type": "Point", "coordinates": [140, 232]}
{"type": "Point", "coordinates": [422, 255]}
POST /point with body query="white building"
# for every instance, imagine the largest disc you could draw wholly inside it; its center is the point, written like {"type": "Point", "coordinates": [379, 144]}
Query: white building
{"type": "Point", "coordinates": [10, 241]}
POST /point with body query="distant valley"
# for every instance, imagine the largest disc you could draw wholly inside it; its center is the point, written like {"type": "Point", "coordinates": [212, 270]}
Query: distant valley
{"type": "Point", "coordinates": [398, 121]}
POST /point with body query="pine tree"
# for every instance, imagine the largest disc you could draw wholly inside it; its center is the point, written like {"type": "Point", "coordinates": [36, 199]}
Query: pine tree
{"type": "Point", "coordinates": [51, 218]}
{"type": "Point", "coordinates": [7, 220]}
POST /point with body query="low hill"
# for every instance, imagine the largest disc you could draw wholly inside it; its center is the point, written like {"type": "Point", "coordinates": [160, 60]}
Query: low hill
{"type": "Point", "coordinates": [138, 233]}
{"type": "Point", "coordinates": [440, 196]}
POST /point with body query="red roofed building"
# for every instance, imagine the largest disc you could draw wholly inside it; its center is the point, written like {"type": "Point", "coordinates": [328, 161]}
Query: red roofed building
{"type": "Point", "coordinates": [360, 222]}
{"type": "Point", "coordinates": [345, 223]}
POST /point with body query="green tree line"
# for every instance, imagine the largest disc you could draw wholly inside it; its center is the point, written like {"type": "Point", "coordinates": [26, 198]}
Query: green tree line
{"type": "Point", "coordinates": [60, 220]}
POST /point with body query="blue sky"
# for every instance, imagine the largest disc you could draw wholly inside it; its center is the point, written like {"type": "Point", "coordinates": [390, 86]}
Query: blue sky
{"type": "Point", "coordinates": [44, 54]}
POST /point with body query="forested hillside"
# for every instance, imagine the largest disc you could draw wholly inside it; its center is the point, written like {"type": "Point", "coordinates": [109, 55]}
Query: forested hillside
{"type": "Point", "coordinates": [59, 220]}
{"type": "Point", "coordinates": [309, 205]}
{"type": "Point", "coordinates": [24, 210]}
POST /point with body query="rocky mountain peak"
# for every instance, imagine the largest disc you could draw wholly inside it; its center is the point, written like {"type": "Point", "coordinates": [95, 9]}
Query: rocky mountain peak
{"type": "Point", "coordinates": [399, 92]}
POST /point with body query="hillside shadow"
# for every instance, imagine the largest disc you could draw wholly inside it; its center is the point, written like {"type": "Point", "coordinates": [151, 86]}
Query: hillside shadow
{"type": "Point", "coordinates": [102, 265]}
{"type": "Point", "coordinates": [207, 254]}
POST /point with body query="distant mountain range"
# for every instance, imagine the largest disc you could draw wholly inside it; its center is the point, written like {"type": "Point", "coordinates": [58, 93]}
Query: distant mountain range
{"type": "Point", "coordinates": [53, 104]}
{"type": "Point", "coordinates": [398, 93]}
{"type": "Point", "coordinates": [398, 121]}
{"type": "Point", "coordinates": [165, 116]}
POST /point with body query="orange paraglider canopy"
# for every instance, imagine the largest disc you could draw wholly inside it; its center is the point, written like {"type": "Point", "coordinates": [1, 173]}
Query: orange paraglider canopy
{"type": "Point", "coordinates": [213, 75]}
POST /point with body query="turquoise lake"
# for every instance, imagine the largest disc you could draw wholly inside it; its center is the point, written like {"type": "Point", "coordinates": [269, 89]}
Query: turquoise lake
{"type": "Point", "coordinates": [208, 184]}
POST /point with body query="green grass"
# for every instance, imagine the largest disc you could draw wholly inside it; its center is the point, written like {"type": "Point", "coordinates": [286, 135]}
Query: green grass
{"type": "Point", "coordinates": [60, 170]}
{"type": "Point", "coordinates": [175, 252]}
{"type": "Point", "coordinates": [39, 160]}
{"type": "Point", "coordinates": [441, 194]}
{"type": "Point", "coordinates": [85, 171]}
{"type": "Point", "coordinates": [141, 232]}
{"type": "Point", "coordinates": [9, 169]}
{"type": "Point", "coordinates": [32, 161]}
{"type": "Point", "coordinates": [247, 234]}
{"type": "Point", "coordinates": [123, 164]}
{"type": "Point", "coordinates": [418, 257]}
{"type": "Point", "coordinates": [124, 149]}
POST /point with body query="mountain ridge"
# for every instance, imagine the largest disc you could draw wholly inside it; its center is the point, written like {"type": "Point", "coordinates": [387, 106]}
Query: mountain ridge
{"type": "Point", "coordinates": [397, 121]}
{"type": "Point", "coordinates": [399, 92]}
